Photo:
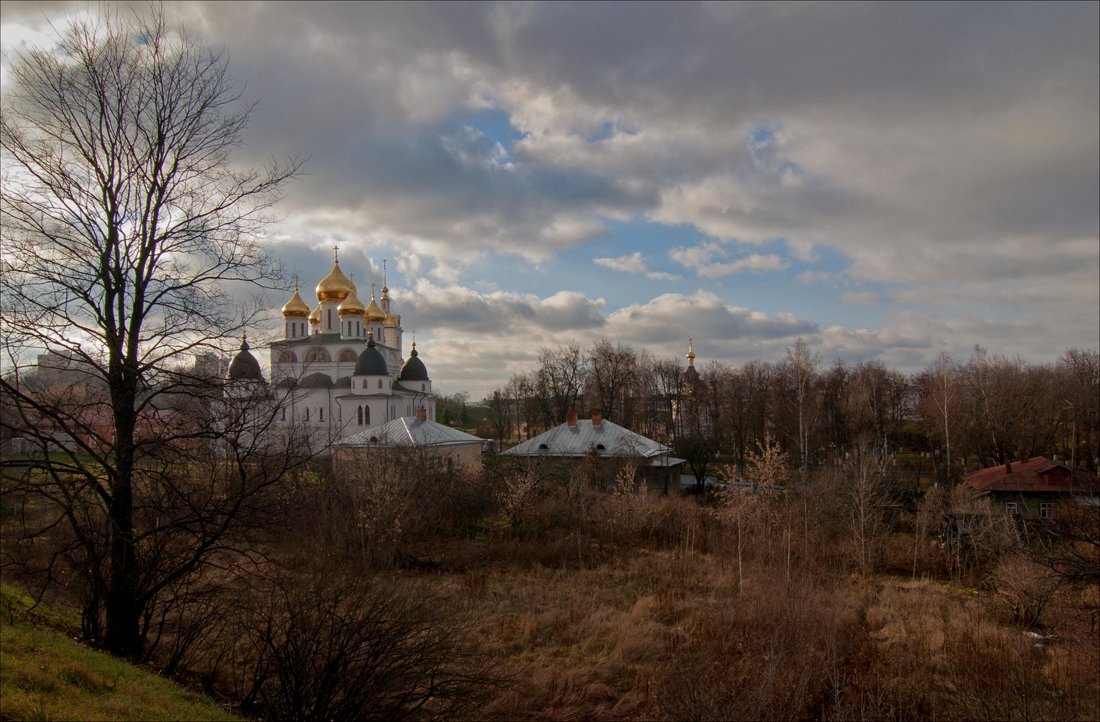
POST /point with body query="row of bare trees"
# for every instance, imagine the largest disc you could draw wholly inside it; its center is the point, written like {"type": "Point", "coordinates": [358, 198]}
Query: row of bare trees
{"type": "Point", "coordinates": [982, 411]}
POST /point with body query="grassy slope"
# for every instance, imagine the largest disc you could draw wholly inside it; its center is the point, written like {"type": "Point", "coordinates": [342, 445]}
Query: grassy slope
{"type": "Point", "coordinates": [45, 675]}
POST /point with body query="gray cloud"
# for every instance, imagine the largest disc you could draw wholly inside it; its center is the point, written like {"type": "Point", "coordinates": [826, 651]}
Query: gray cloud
{"type": "Point", "coordinates": [948, 151]}
{"type": "Point", "coordinates": [466, 311]}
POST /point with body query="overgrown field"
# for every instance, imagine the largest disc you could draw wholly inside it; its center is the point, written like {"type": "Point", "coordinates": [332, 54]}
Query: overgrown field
{"type": "Point", "coordinates": [514, 596]}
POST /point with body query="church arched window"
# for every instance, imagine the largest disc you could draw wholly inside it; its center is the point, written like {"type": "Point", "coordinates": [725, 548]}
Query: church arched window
{"type": "Point", "coordinates": [348, 355]}
{"type": "Point", "coordinates": [360, 415]}
{"type": "Point", "coordinates": [379, 383]}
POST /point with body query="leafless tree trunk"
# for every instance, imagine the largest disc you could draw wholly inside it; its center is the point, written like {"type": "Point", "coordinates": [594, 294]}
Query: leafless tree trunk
{"type": "Point", "coordinates": [939, 391]}
{"type": "Point", "coordinates": [802, 368]}
{"type": "Point", "coordinates": [865, 471]}
{"type": "Point", "coordinates": [123, 224]}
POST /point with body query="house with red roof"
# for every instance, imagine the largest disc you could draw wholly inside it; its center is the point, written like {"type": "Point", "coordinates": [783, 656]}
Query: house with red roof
{"type": "Point", "coordinates": [1034, 488]}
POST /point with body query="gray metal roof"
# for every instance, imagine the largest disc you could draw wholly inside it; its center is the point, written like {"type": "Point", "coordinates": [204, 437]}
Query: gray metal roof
{"type": "Point", "coordinates": [608, 439]}
{"type": "Point", "coordinates": [407, 431]}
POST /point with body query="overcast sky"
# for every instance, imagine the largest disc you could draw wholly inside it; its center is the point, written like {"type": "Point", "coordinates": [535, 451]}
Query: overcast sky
{"type": "Point", "coordinates": [887, 181]}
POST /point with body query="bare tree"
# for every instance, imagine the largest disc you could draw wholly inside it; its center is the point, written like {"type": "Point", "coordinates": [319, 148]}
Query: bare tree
{"type": "Point", "coordinates": [558, 382]}
{"type": "Point", "coordinates": [335, 646]}
{"type": "Point", "coordinates": [612, 373]}
{"type": "Point", "coordinates": [801, 370]}
{"type": "Point", "coordinates": [748, 408]}
{"type": "Point", "coordinates": [938, 404]}
{"type": "Point", "coordinates": [666, 377]}
{"type": "Point", "coordinates": [865, 471]}
{"type": "Point", "coordinates": [127, 234]}
{"type": "Point", "coordinates": [1079, 400]}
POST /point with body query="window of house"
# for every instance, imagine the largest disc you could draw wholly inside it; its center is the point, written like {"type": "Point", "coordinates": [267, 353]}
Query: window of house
{"type": "Point", "coordinates": [1046, 510]}
{"type": "Point", "coordinates": [1011, 507]}
{"type": "Point", "coordinates": [379, 383]}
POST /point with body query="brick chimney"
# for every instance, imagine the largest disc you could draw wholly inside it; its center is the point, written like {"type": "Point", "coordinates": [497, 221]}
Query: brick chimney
{"type": "Point", "coordinates": [1008, 467]}
{"type": "Point", "coordinates": [422, 414]}
{"type": "Point", "coordinates": [571, 418]}
{"type": "Point", "coordinates": [597, 418]}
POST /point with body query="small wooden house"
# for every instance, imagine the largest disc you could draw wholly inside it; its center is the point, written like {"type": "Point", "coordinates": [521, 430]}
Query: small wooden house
{"type": "Point", "coordinates": [1034, 488]}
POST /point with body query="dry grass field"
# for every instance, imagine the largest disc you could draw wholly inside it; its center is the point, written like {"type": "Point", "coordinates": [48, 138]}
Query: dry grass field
{"type": "Point", "coordinates": [626, 605]}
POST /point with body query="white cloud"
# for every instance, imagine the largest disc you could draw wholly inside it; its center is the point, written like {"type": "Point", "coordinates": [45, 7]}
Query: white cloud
{"type": "Point", "coordinates": [634, 263]}
{"type": "Point", "coordinates": [704, 261]}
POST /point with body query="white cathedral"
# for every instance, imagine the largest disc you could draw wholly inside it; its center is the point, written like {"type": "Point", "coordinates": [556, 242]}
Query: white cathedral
{"type": "Point", "coordinates": [341, 364]}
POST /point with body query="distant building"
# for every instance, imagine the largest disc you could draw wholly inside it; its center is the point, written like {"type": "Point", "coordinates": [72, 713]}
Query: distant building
{"type": "Point", "coordinates": [1034, 488]}
{"type": "Point", "coordinates": [452, 448]}
{"type": "Point", "coordinates": [602, 442]}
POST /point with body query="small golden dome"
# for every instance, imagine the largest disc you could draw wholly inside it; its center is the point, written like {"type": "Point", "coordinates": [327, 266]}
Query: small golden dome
{"type": "Point", "coordinates": [691, 352]}
{"type": "Point", "coordinates": [373, 312]}
{"type": "Point", "coordinates": [315, 317]}
{"type": "Point", "coordinates": [295, 307]}
{"type": "Point", "coordinates": [351, 306]}
{"type": "Point", "coordinates": [335, 286]}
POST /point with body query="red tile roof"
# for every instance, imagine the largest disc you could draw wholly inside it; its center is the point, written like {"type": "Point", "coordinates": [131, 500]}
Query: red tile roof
{"type": "Point", "coordinates": [1037, 474]}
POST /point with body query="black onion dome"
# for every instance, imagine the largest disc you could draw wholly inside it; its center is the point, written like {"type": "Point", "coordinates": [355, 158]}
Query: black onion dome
{"type": "Point", "coordinates": [244, 366]}
{"type": "Point", "coordinates": [414, 369]}
{"type": "Point", "coordinates": [370, 362]}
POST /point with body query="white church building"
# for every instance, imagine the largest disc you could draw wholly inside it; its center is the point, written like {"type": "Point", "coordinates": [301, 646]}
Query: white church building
{"type": "Point", "coordinates": [340, 366]}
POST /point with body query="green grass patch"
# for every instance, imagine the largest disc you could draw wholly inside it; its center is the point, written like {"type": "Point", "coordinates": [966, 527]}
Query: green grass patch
{"type": "Point", "coordinates": [46, 675]}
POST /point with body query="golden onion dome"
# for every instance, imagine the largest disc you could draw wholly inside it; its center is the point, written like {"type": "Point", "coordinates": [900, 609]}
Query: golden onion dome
{"type": "Point", "coordinates": [351, 306]}
{"type": "Point", "coordinates": [295, 307]}
{"type": "Point", "coordinates": [373, 312]}
{"type": "Point", "coordinates": [335, 286]}
{"type": "Point", "coordinates": [315, 317]}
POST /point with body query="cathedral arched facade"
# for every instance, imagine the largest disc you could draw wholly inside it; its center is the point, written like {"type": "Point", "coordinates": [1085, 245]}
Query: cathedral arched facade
{"type": "Point", "coordinates": [340, 366]}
